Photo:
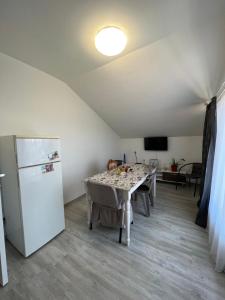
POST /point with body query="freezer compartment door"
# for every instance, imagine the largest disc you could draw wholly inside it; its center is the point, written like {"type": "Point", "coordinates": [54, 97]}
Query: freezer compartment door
{"type": "Point", "coordinates": [31, 152]}
{"type": "Point", "coordinates": [41, 204]}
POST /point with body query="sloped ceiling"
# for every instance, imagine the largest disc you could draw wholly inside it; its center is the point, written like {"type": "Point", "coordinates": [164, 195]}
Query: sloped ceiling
{"type": "Point", "coordinates": [173, 63]}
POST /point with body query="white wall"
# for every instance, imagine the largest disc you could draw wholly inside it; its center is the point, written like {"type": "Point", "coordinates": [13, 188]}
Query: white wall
{"type": "Point", "coordinates": [187, 147]}
{"type": "Point", "coordinates": [35, 103]}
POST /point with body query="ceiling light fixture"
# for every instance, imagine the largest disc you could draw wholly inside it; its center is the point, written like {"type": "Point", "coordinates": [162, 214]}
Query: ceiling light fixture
{"type": "Point", "coordinates": [110, 41]}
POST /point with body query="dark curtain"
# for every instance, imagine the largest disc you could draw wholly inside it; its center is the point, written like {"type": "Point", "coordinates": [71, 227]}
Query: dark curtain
{"type": "Point", "coordinates": [208, 149]}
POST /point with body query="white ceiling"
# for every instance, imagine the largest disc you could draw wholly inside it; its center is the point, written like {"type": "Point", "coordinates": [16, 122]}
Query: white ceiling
{"type": "Point", "coordinates": [174, 61]}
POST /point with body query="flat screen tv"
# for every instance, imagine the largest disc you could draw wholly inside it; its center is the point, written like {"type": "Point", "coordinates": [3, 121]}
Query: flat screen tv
{"type": "Point", "coordinates": [156, 143]}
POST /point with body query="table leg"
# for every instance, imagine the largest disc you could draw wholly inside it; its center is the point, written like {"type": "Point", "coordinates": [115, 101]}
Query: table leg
{"type": "Point", "coordinates": [154, 187]}
{"type": "Point", "coordinates": [127, 214]}
{"type": "Point", "coordinates": [89, 204]}
{"type": "Point", "coordinates": [89, 208]}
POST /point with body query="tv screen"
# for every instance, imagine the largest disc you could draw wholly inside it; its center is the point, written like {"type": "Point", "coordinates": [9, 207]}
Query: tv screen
{"type": "Point", "coordinates": [156, 143]}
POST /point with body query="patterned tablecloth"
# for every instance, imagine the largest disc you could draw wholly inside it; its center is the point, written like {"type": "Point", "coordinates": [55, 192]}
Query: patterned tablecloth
{"type": "Point", "coordinates": [124, 181]}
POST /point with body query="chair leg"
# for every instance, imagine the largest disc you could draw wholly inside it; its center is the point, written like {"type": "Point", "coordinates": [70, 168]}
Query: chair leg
{"type": "Point", "coordinates": [90, 226]}
{"type": "Point", "coordinates": [151, 200]}
{"type": "Point", "coordinates": [144, 204]}
{"type": "Point", "coordinates": [120, 236]}
{"type": "Point", "coordinates": [195, 187]}
{"type": "Point", "coordinates": [135, 196]}
{"type": "Point", "coordinates": [148, 200]}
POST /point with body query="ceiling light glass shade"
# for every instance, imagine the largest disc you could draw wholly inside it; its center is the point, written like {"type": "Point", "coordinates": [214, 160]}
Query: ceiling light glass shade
{"type": "Point", "coordinates": [110, 41]}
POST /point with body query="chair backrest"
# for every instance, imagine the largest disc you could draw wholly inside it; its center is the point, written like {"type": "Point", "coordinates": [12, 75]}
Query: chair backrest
{"type": "Point", "coordinates": [103, 195]}
{"type": "Point", "coordinates": [150, 179]}
{"type": "Point", "coordinates": [153, 171]}
{"type": "Point", "coordinates": [153, 163]}
{"type": "Point", "coordinates": [196, 169]}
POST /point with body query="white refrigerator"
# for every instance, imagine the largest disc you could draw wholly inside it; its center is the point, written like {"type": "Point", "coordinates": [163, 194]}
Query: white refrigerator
{"type": "Point", "coordinates": [32, 191]}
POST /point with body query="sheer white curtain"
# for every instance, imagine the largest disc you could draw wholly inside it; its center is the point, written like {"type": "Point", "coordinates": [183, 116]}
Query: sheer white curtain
{"type": "Point", "coordinates": [216, 217]}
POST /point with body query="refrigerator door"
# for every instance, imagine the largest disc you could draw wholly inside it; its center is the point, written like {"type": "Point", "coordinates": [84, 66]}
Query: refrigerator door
{"type": "Point", "coordinates": [35, 151]}
{"type": "Point", "coordinates": [41, 204]}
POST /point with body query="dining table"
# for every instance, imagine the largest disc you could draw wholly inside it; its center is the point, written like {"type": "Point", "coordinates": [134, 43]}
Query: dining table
{"type": "Point", "coordinates": [127, 182]}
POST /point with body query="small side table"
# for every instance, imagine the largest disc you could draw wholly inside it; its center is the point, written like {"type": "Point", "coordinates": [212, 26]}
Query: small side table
{"type": "Point", "coordinates": [172, 177]}
{"type": "Point", "coordinates": [3, 262]}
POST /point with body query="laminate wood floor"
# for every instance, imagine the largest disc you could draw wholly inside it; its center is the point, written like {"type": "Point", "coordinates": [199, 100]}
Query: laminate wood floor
{"type": "Point", "coordinates": [168, 258]}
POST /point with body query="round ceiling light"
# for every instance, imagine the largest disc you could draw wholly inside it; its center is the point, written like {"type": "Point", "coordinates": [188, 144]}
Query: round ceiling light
{"type": "Point", "coordinates": [110, 41]}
